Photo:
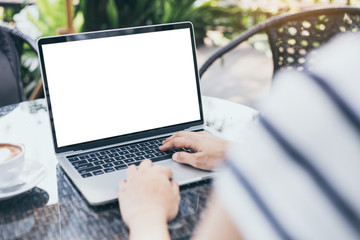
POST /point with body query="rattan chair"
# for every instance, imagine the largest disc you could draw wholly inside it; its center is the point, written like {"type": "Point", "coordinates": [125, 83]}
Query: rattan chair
{"type": "Point", "coordinates": [293, 36]}
{"type": "Point", "coordinates": [11, 48]}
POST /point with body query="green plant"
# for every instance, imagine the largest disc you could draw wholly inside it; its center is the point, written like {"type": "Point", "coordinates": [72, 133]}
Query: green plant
{"type": "Point", "coordinates": [7, 14]}
{"type": "Point", "coordinates": [105, 14]}
{"type": "Point", "coordinates": [47, 17]}
{"type": "Point", "coordinates": [42, 19]}
{"type": "Point", "coordinates": [51, 16]}
{"type": "Point", "coordinates": [30, 71]}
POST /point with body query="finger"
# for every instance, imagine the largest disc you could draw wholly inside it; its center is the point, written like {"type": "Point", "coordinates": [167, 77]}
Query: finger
{"type": "Point", "coordinates": [168, 139]}
{"type": "Point", "coordinates": [178, 134]}
{"type": "Point", "coordinates": [194, 159]}
{"type": "Point", "coordinates": [146, 163]}
{"type": "Point", "coordinates": [203, 133]}
{"type": "Point", "coordinates": [181, 142]}
{"type": "Point", "coordinates": [164, 170]}
{"type": "Point", "coordinates": [122, 184]}
{"type": "Point", "coordinates": [122, 187]}
{"type": "Point", "coordinates": [175, 187]}
{"type": "Point", "coordinates": [175, 208]}
{"type": "Point", "coordinates": [131, 171]}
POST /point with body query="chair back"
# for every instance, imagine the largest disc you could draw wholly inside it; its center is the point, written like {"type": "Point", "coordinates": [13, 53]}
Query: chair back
{"type": "Point", "coordinates": [293, 37]}
{"type": "Point", "coordinates": [11, 48]}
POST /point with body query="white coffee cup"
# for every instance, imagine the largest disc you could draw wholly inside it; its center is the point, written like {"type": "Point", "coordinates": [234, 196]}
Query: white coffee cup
{"type": "Point", "coordinates": [11, 162]}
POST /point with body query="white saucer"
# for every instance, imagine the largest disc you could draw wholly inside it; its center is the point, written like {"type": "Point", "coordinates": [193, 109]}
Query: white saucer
{"type": "Point", "coordinates": [32, 173]}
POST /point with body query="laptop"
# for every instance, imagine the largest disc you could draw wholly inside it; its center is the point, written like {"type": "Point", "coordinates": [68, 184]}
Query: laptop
{"type": "Point", "coordinates": [113, 96]}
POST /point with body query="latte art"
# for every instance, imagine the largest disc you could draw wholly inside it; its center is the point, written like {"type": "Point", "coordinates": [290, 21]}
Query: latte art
{"type": "Point", "coordinates": [8, 151]}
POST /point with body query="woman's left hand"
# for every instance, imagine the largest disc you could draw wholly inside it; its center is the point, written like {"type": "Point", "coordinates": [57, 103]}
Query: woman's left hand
{"type": "Point", "coordinates": [148, 200]}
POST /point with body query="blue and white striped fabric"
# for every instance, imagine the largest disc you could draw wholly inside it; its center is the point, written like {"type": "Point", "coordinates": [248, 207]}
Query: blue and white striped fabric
{"type": "Point", "coordinates": [297, 175]}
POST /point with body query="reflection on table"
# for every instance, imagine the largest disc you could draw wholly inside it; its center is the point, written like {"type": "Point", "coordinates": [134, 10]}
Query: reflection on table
{"type": "Point", "coordinates": [56, 206]}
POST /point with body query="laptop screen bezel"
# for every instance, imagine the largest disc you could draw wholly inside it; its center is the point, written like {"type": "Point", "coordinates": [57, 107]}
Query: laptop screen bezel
{"type": "Point", "coordinates": [110, 33]}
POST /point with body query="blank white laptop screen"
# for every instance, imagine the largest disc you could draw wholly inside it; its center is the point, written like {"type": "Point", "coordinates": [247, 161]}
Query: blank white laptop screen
{"type": "Point", "coordinates": [106, 87]}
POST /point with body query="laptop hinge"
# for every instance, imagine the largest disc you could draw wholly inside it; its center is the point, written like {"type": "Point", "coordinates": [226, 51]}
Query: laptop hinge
{"type": "Point", "coordinates": [191, 129]}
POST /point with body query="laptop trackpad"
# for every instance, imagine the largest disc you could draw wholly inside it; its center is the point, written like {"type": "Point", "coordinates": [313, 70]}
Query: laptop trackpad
{"type": "Point", "coordinates": [184, 172]}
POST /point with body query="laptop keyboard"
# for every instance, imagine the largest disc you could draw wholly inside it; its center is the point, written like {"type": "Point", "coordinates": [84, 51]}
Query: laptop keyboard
{"type": "Point", "coordinates": [118, 158]}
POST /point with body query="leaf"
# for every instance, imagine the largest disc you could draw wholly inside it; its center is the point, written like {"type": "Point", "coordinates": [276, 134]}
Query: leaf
{"type": "Point", "coordinates": [112, 14]}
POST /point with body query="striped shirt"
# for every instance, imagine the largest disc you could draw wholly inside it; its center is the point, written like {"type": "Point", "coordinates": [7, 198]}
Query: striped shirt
{"type": "Point", "coordinates": [297, 175]}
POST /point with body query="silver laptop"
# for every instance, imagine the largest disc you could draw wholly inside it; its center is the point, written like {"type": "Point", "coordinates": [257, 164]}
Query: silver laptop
{"type": "Point", "coordinates": [114, 96]}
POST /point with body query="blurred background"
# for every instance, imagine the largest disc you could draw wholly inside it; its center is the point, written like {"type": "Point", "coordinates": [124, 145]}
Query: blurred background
{"type": "Point", "coordinates": [242, 76]}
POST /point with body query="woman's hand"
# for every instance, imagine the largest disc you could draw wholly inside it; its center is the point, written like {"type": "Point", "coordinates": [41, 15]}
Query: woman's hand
{"type": "Point", "coordinates": [210, 150]}
{"type": "Point", "coordinates": [148, 200]}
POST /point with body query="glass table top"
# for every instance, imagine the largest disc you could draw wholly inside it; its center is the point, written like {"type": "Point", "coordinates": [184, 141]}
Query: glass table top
{"type": "Point", "coordinates": [55, 209]}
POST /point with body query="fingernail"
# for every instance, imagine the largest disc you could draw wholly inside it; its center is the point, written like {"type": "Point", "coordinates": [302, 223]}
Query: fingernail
{"type": "Point", "coordinates": [175, 156]}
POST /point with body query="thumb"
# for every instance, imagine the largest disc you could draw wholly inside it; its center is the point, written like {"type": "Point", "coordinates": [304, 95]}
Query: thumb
{"type": "Point", "coordinates": [184, 157]}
